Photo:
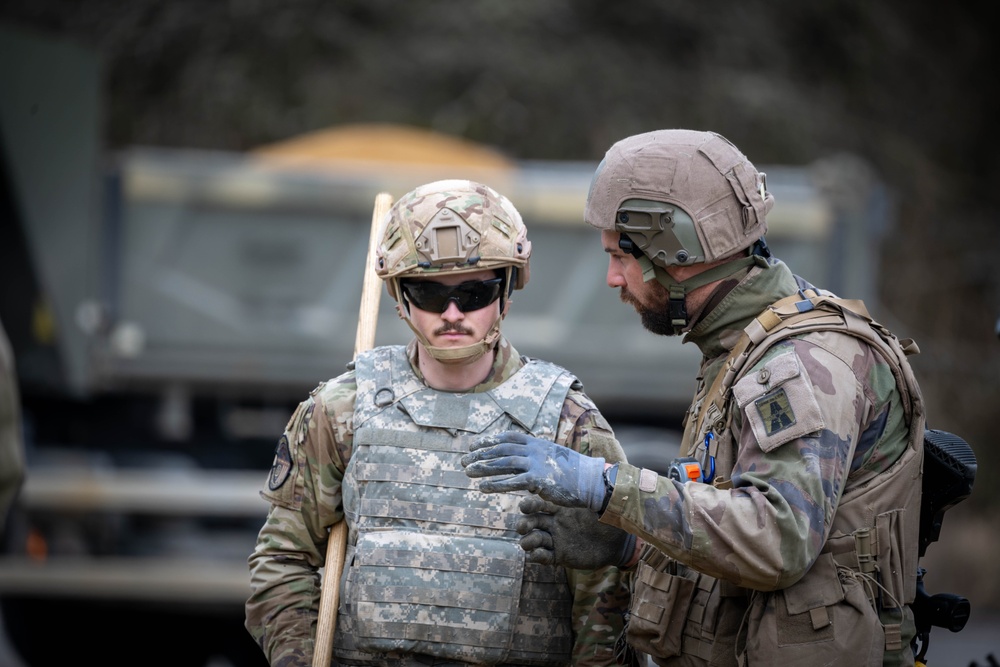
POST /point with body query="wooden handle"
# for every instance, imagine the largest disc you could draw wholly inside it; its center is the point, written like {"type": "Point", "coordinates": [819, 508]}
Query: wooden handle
{"type": "Point", "coordinates": [371, 291]}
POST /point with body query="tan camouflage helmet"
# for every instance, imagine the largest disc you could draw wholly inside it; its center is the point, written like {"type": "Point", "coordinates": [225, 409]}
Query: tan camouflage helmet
{"type": "Point", "coordinates": [452, 226]}
{"type": "Point", "coordinates": [681, 196]}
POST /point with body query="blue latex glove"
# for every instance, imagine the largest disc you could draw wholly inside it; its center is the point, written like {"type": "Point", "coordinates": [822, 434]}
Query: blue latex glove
{"type": "Point", "coordinates": [556, 473]}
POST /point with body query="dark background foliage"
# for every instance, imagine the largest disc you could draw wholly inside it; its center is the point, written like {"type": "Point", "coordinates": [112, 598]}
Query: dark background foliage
{"type": "Point", "coordinates": [906, 89]}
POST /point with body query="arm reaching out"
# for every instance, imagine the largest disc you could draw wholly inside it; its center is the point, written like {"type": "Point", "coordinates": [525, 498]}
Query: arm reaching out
{"type": "Point", "coordinates": [556, 473]}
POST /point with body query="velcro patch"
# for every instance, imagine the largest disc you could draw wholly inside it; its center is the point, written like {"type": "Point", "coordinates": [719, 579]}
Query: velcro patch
{"type": "Point", "coordinates": [779, 402]}
{"type": "Point", "coordinates": [647, 480]}
{"type": "Point", "coordinates": [775, 411]}
{"type": "Point", "coordinates": [282, 465]}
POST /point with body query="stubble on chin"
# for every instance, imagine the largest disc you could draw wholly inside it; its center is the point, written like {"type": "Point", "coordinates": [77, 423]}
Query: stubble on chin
{"type": "Point", "coordinates": [627, 297]}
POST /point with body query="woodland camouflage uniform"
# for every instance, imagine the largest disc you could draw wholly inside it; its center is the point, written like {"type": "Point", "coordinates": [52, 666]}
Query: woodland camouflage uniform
{"type": "Point", "coordinates": [841, 427]}
{"type": "Point", "coordinates": [802, 547]}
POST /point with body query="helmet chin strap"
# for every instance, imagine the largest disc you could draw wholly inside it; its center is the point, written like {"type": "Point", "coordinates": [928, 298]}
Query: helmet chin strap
{"type": "Point", "coordinates": [466, 353]}
{"type": "Point", "coordinates": [676, 308]}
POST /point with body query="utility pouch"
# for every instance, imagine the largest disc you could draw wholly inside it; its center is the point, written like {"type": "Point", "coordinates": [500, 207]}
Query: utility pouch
{"type": "Point", "coordinates": [659, 607]}
{"type": "Point", "coordinates": [824, 618]}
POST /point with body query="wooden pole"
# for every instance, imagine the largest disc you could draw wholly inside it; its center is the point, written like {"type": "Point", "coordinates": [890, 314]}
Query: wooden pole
{"type": "Point", "coordinates": [371, 291]}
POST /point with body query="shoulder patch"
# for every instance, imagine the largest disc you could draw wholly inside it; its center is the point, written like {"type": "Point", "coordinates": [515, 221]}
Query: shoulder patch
{"type": "Point", "coordinates": [282, 465]}
{"type": "Point", "coordinates": [778, 401]}
{"type": "Point", "coordinates": [775, 411]}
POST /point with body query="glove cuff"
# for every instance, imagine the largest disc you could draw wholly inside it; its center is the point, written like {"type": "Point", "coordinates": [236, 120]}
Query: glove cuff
{"type": "Point", "coordinates": [592, 482]}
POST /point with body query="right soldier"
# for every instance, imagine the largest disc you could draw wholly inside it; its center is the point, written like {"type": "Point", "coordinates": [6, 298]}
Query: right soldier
{"type": "Point", "coordinates": [788, 535]}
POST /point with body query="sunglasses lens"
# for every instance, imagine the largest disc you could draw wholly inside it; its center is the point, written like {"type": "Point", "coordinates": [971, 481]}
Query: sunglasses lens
{"type": "Point", "coordinates": [468, 296]}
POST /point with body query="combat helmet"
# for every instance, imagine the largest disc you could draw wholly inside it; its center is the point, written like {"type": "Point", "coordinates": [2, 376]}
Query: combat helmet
{"type": "Point", "coordinates": [681, 197]}
{"type": "Point", "coordinates": [453, 227]}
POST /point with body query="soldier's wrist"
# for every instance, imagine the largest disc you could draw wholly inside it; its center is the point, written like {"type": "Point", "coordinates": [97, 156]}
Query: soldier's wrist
{"type": "Point", "coordinates": [627, 552]}
{"type": "Point", "coordinates": [634, 557]}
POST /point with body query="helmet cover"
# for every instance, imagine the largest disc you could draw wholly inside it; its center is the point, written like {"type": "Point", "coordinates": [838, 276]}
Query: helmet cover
{"type": "Point", "coordinates": [681, 196]}
{"type": "Point", "coordinates": [451, 226]}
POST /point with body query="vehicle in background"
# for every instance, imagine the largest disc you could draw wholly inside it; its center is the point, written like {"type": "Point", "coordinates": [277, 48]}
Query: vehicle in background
{"type": "Point", "coordinates": [168, 308]}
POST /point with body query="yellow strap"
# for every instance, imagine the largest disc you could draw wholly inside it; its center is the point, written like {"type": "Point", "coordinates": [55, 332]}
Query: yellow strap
{"type": "Point", "coordinates": [769, 319]}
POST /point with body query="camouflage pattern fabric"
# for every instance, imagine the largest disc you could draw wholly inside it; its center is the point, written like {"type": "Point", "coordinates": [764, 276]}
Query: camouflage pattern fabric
{"type": "Point", "coordinates": [438, 227]}
{"type": "Point", "coordinates": [305, 490]}
{"type": "Point", "coordinates": [833, 425]}
{"type": "Point", "coordinates": [435, 567]}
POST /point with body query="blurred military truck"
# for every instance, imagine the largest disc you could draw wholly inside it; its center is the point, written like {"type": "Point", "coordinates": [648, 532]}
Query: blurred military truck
{"type": "Point", "coordinates": [168, 308]}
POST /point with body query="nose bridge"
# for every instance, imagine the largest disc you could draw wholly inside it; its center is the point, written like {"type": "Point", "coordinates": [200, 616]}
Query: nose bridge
{"type": "Point", "coordinates": [615, 275]}
{"type": "Point", "coordinates": [452, 305]}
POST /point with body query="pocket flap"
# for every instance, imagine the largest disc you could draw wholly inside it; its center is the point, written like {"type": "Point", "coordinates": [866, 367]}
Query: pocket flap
{"type": "Point", "coordinates": [820, 587]}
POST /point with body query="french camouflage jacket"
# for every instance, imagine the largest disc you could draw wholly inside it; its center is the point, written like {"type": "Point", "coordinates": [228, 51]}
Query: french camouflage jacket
{"type": "Point", "coordinates": [314, 478]}
{"type": "Point", "coordinates": [786, 557]}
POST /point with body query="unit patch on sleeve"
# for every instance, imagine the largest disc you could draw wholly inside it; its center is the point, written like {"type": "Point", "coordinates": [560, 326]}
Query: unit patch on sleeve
{"type": "Point", "coordinates": [282, 464]}
{"type": "Point", "coordinates": [775, 411]}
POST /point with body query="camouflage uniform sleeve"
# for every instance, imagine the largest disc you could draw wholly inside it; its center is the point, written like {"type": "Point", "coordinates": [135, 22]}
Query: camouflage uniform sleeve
{"type": "Point", "coordinates": [600, 597]}
{"type": "Point", "coordinates": [303, 488]}
{"type": "Point", "coordinates": [800, 413]}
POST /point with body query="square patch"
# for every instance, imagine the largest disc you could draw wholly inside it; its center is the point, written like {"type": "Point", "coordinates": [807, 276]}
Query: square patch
{"type": "Point", "coordinates": [775, 411]}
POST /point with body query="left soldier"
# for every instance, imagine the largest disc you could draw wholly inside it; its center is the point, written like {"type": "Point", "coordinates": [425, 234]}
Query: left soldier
{"type": "Point", "coordinates": [433, 573]}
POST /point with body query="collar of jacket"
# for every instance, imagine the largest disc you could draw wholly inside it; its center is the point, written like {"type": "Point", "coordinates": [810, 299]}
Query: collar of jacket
{"type": "Point", "coordinates": [719, 330]}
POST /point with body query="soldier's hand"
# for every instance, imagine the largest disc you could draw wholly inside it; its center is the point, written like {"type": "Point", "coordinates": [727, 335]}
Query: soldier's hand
{"type": "Point", "coordinates": [571, 537]}
{"type": "Point", "coordinates": [556, 473]}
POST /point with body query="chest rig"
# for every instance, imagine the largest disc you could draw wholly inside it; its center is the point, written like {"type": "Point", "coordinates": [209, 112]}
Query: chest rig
{"type": "Point", "coordinates": [875, 529]}
{"type": "Point", "coordinates": [434, 567]}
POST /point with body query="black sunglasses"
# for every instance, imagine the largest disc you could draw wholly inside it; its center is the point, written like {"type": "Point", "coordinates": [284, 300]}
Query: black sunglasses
{"type": "Point", "coordinates": [434, 297]}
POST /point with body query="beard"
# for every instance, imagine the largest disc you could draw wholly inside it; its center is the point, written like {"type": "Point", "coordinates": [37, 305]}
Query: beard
{"type": "Point", "coordinates": [655, 318]}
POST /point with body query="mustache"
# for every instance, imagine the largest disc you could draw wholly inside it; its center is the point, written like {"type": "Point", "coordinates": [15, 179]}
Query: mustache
{"type": "Point", "coordinates": [449, 327]}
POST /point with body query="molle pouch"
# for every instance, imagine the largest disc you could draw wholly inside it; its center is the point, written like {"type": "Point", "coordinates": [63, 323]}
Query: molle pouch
{"type": "Point", "coordinates": [823, 619]}
{"type": "Point", "coordinates": [659, 607]}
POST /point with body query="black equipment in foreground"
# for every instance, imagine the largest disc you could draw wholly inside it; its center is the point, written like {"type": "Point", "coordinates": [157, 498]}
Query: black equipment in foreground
{"type": "Point", "coordinates": [949, 473]}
